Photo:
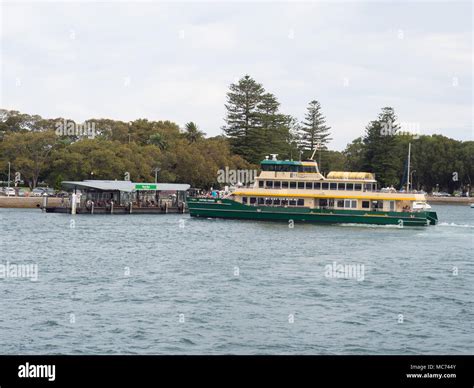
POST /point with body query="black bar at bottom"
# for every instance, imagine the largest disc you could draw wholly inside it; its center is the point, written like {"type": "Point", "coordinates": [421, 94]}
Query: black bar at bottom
{"type": "Point", "coordinates": [135, 371]}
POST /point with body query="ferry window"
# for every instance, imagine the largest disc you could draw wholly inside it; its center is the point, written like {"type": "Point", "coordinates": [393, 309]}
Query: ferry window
{"type": "Point", "coordinates": [309, 185]}
{"type": "Point", "coordinates": [358, 187]}
{"type": "Point", "coordinates": [340, 203]}
{"type": "Point", "coordinates": [260, 183]}
{"type": "Point", "coordinates": [268, 167]}
{"type": "Point", "coordinates": [325, 186]}
{"type": "Point", "coordinates": [300, 185]}
{"type": "Point", "coordinates": [365, 205]}
{"type": "Point", "coordinates": [261, 201]}
{"type": "Point", "coordinates": [350, 203]}
{"type": "Point", "coordinates": [284, 202]}
{"type": "Point", "coordinates": [253, 200]}
{"type": "Point", "coordinates": [292, 185]}
{"type": "Point", "coordinates": [284, 185]}
{"type": "Point", "coordinates": [244, 199]}
{"type": "Point", "coordinates": [317, 185]}
{"type": "Point", "coordinates": [276, 184]}
{"type": "Point", "coordinates": [333, 186]}
{"type": "Point", "coordinates": [269, 184]}
{"type": "Point", "coordinates": [331, 202]}
{"type": "Point", "coordinates": [341, 186]}
{"type": "Point", "coordinates": [349, 186]}
{"type": "Point", "coordinates": [301, 202]}
{"type": "Point", "coordinates": [276, 202]}
{"type": "Point", "coordinates": [368, 187]}
{"type": "Point", "coordinates": [294, 168]}
{"type": "Point", "coordinates": [268, 201]}
{"type": "Point", "coordinates": [292, 202]}
{"type": "Point", "coordinates": [323, 203]}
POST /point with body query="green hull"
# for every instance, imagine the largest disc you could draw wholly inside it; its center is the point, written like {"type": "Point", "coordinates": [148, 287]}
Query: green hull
{"type": "Point", "coordinates": [226, 208]}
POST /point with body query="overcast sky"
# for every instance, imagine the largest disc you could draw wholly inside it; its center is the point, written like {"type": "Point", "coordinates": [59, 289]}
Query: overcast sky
{"type": "Point", "coordinates": [175, 62]}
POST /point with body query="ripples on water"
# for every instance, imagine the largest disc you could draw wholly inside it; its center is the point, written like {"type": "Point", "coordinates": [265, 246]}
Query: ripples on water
{"type": "Point", "coordinates": [159, 285]}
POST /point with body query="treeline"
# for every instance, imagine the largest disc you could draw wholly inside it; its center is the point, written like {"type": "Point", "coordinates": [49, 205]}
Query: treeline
{"type": "Point", "coordinates": [53, 150]}
{"type": "Point", "coordinates": [33, 147]}
{"type": "Point", "coordinates": [255, 128]}
{"type": "Point", "coordinates": [437, 162]}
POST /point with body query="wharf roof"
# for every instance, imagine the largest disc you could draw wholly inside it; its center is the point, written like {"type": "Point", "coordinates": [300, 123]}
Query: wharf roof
{"type": "Point", "coordinates": [126, 186]}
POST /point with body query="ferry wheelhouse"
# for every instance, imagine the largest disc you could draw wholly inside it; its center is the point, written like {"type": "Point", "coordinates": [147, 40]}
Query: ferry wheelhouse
{"type": "Point", "coordinates": [296, 190]}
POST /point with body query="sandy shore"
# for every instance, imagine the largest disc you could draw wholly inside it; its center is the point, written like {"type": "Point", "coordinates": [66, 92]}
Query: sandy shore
{"type": "Point", "coordinates": [27, 202]}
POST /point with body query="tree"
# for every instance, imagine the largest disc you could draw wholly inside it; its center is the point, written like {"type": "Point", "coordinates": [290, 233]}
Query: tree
{"type": "Point", "coordinates": [254, 125]}
{"type": "Point", "coordinates": [333, 161]}
{"type": "Point", "coordinates": [158, 140]}
{"type": "Point", "coordinates": [273, 128]}
{"type": "Point", "coordinates": [243, 118]}
{"type": "Point", "coordinates": [314, 131]}
{"type": "Point", "coordinates": [379, 140]}
{"type": "Point", "coordinates": [354, 155]}
{"type": "Point", "coordinates": [192, 132]}
{"type": "Point", "coordinates": [28, 152]}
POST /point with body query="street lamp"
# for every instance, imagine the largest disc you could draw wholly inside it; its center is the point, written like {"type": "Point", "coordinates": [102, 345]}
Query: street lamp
{"type": "Point", "coordinates": [156, 170]}
{"type": "Point", "coordinates": [8, 175]}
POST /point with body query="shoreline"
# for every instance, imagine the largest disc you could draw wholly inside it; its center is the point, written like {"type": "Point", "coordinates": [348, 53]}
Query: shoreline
{"type": "Point", "coordinates": [37, 202]}
{"type": "Point", "coordinates": [27, 202]}
{"type": "Point", "coordinates": [450, 200]}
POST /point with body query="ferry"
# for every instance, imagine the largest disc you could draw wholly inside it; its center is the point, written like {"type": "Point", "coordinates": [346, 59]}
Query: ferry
{"type": "Point", "coordinates": [288, 190]}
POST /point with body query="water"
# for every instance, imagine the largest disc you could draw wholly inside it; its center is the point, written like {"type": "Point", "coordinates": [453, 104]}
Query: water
{"type": "Point", "coordinates": [169, 284]}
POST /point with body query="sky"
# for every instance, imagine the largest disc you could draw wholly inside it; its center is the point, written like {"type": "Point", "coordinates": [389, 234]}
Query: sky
{"type": "Point", "coordinates": [175, 61]}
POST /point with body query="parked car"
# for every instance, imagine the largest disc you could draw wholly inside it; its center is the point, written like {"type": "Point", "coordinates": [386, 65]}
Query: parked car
{"type": "Point", "coordinates": [9, 191]}
{"type": "Point", "coordinates": [49, 192]}
{"type": "Point", "coordinates": [38, 192]}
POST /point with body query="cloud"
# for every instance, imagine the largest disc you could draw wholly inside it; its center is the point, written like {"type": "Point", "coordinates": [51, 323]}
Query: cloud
{"type": "Point", "coordinates": [175, 61]}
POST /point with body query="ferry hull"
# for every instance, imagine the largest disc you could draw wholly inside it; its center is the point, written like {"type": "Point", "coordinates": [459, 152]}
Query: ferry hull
{"type": "Point", "coordinates": [226, 208]}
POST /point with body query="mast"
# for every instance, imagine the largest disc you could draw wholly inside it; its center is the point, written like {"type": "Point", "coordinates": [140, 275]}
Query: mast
{"type": "Point", "coordinates": [408, 168]}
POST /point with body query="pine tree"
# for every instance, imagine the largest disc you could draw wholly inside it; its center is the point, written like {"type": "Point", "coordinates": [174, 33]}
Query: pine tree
{"type": "Point", "coordinates": [243, 118]}
{"type": "Point", "coordinates": [380, 148]}
{"type": "Point", "coordinates": [273, 127]}
{"type": "Point", "coordinates": [314, 131]}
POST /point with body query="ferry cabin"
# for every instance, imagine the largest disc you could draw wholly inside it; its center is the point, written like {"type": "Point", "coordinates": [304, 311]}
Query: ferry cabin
{"type": "Point", "coordinates": [300, 184]}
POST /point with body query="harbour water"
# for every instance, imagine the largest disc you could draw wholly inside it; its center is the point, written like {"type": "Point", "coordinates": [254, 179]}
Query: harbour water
{"type": "Point", "coordinates": [169, 284]}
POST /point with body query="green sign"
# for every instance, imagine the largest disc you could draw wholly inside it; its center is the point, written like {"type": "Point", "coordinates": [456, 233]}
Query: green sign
{"type": "Point", "coordinates": [141, 186]}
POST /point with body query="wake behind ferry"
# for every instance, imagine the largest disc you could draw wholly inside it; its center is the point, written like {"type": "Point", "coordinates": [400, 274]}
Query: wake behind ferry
{"type": "Point", "coordinates": [295, 190]}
